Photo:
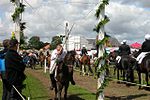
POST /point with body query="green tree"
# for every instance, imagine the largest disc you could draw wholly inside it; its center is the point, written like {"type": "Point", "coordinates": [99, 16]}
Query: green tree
{"type": "Point", "coordinates": [34, 42]}
{"type": "Point", "coordinates": [55, 41]}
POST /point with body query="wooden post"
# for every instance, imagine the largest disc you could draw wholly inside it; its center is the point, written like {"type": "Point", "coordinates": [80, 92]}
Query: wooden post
{"type": "Point", "coordinates": [66, 33]}
{"type": "Point", "coordinates": [100, 54]}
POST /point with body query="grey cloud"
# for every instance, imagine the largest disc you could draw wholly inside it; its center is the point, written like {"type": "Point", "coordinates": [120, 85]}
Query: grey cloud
{"type": "Point", "coordinates": [142, 3]}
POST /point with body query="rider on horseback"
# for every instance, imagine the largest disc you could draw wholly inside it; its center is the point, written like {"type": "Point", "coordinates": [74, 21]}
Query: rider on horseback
{"type": "Point", "coordinates": [145, 48]}
{"type": "Point", "coordinates": [83, 51]}
{"type": "Point", "coordinates": [57, 56]}
{"type": "Point", "coordinates": [124, 49]}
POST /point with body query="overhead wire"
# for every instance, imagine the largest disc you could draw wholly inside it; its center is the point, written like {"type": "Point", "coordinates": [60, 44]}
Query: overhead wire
{"type": "Point", "coordinates": [77, 23]}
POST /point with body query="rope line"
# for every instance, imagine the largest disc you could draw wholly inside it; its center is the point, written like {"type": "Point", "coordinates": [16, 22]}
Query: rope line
{"type": "Point", "coordinates": [113, 79]}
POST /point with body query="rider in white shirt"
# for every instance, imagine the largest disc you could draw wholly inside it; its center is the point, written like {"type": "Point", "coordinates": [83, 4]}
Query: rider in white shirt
{"type": "Point", "coordinates": [57, 55]}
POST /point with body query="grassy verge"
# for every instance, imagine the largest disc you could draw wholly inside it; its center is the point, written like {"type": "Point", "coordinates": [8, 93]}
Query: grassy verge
{"type": "Point", "coordinates": [34, 89]}
{"type": "Point", "coordinates": [81, 93]}
{"type": "Point", "coordinates": [1, 89]}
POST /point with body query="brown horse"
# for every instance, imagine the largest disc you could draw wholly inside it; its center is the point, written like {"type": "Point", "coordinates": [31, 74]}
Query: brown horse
{"type": "Point", "coordinates": [85, 61]}
{"type": "Point", "coordinates": [48, 59]}
{"type": "Point", "coordinates": [144, 67]}
{"type": "Point", "coordinates": [41, 58]}
{"type": "Point", "coordinates": [64, 74]}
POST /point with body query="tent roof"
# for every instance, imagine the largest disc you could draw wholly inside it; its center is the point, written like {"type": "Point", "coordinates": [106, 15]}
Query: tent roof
{"type": "Point", "coordinates": [136, 45]}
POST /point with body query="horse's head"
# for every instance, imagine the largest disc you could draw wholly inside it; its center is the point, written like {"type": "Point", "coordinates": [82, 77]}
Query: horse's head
{"type": "Point", "coordinates": [66, 66]}
{"type": "Point", "coordinates": [70, 58]}
{"type": "Point", "coordinates": [112, 56]}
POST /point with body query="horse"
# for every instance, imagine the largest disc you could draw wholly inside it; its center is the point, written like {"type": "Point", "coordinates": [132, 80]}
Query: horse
{"type": "Point", "coordinates": [127, 64]}
{"type": "Point", "coordinates": [41, 58]}
{"type": "Point", "coordinates": [48, 59]}
{"type": "Point", "coordinates": [144, 67]}
{"type": "Point", "coordinates": [85, 61]}
{"type": "Point", "coordinates": [64, 71]}
{"type": "Point", "coordinates": [112, 59]}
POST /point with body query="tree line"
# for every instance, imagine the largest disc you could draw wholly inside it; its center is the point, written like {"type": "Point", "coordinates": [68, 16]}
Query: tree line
{"type": "Point", "coordinates": [35, 43]}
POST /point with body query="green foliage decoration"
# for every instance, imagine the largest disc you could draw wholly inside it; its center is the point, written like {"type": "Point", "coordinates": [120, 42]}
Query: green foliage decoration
{"type": "Point", "coordinates": [101, 23]}
{"type": "Point", "coordinates": [16, 16]}
{"type": "Point", "coordinates": [18, 11]}
{"type": "Point", "coordinates": [101, 7]}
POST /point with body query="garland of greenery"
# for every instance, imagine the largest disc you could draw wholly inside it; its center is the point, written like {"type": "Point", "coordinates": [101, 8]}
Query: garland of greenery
{"type": "Point", "coordinates": [101, 23]}
{"type": "Point", "coordinates": [101, 6]}
{"type": "Point", "coordinates": [102, 42]}
{"type": "Point", "coordinates": [18, 11]}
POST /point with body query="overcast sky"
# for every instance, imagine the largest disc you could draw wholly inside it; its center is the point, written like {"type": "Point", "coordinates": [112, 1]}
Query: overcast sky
{"type": "Point", "coordinates": [129, 19]}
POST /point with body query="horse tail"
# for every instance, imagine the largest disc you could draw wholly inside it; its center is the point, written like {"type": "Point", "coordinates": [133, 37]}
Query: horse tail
{"type": "Point", "coordinates": [124, 63]}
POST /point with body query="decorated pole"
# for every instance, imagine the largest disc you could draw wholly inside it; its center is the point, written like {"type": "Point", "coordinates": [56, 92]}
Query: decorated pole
{"type": "Point", "coordinates": [66, 32]}
{"type": "Point", "coordinates": [100, 29]}
{"type": "Point", "coordinates": [17, 17]}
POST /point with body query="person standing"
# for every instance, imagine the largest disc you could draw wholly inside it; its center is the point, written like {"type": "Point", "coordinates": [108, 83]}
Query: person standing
{"type": "Point", "coordinates": [14, 71]}
{"type": "Point", "coordinates": [3, 76]}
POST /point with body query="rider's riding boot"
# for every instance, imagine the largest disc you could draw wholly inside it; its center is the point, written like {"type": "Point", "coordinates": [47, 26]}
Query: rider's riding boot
{"type": "Point", "coordinates": [51, 81]}
{"type": "Point", "coordinates": [72, 80]}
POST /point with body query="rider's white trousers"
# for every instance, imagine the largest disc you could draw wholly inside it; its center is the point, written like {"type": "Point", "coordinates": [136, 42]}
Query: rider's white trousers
{"type": "Point", "coordinates": [140, 57]}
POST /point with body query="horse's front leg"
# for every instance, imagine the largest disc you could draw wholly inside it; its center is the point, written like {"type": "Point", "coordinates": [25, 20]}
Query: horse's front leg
{"type": "Point", "coordinates": [59, 90]}
{"type": "Point", "coordinates": [80, 69]}
{"type": "Point", "coordinates": [114, 70]}
{"type": "Point", "coordinates": [65, 90]}
{"type": "Point", "coordinates": [56, 93]}
{"type": "Point", "coordinates": [124, 75]}
{"type": "Point", "coordinates": [117, 73]}
{"type": "Point", "coordinates": [146, 78]}
{"type": "Point", "coordinates": [139, 75]}
{"type": "Point", "coordinates": [90, 70]}
{"type": "Point", "coordinates": [83, 70]}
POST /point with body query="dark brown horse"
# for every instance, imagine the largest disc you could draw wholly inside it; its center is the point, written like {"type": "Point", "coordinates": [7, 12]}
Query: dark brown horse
{"type": "Point", "coordinates": [125, 66]}
{"type": "Point", "coordinates": [64, 74]}
{"type": "Point", "coordinates": [85, 61]}
{"type": "Point", "coordinates": [144, 67]}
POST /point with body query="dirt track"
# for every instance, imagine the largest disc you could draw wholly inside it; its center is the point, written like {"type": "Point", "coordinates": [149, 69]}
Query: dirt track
{"type": "Point", "coordinates": [114, 91]}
